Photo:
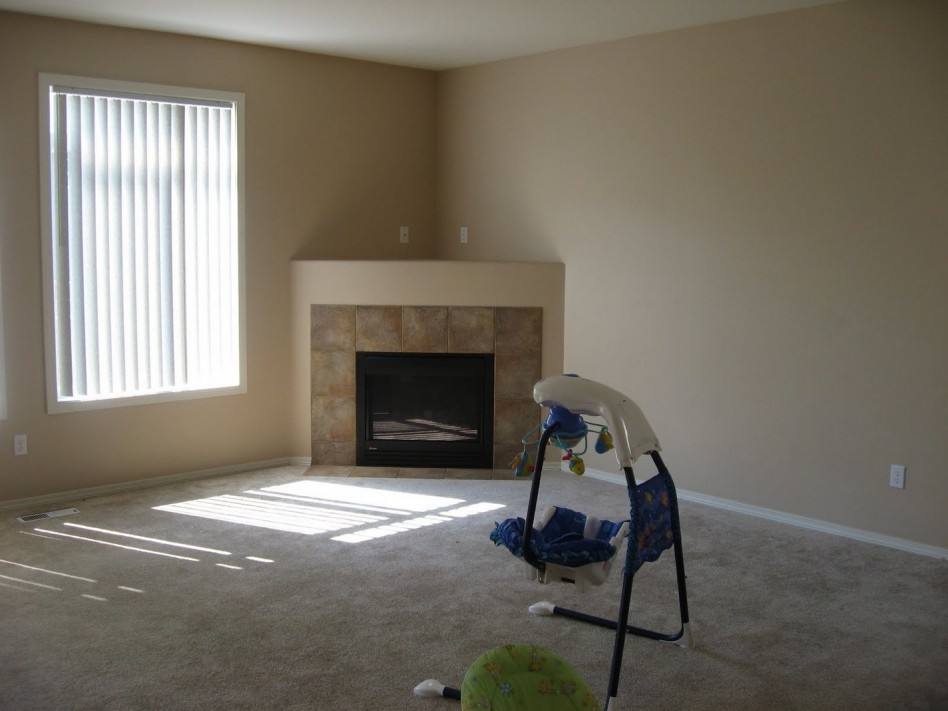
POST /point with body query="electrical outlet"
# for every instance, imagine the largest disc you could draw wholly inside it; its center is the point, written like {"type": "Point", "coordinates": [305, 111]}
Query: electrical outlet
{"type": "Point", "coordinates": [403, 234]}
{"type": "Point", "coordinates": [19, 445]}
{"type": "Point", "coordinates": [897, 476]}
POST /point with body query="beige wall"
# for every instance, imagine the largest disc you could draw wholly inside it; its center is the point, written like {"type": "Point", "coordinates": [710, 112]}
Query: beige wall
{"type": "Point", "coordinates": [751, 215]}
{"type": "Point", "coordinates": [339, 154]}
{"type": "Point", "coordinates": [754, 222]}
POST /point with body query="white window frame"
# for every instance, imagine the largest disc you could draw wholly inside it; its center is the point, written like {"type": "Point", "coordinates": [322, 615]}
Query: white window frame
{"type": "Point", "coordinates": [50, 230]}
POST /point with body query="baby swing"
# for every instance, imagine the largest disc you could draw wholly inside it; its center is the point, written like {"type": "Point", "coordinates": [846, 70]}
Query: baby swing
{"type": "Point", "coordinates": [570, 547]}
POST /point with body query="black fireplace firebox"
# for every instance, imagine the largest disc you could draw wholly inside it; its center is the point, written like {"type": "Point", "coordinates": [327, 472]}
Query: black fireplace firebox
{"type": "Point", "coordinates": [425, 409]}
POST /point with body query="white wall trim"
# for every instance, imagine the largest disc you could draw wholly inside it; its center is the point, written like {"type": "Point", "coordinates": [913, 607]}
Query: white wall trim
{"type": "Point", "coordinates": [144, 483]}
{"type": "Point", "coordinates": [793, 519]}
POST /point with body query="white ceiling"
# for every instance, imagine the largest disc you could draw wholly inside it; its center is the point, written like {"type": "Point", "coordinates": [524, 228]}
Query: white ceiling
{"type": "Point", "coordinates": [430, 34]}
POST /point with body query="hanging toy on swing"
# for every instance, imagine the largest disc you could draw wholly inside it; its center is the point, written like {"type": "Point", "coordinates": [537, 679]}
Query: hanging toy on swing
{"type": "Point", "coordinates": [576, 464]}
{"type": "Point", "coordinates": [604, 441]}
{"type": "Point", "coordinates": [522, 464]}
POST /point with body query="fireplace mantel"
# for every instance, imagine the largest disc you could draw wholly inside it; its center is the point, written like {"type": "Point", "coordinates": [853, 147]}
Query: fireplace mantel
{"type": "Point", "coordinates": [483, 286]}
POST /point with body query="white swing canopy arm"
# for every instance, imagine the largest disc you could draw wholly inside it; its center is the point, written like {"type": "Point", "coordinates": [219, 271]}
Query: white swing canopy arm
{"type": "Point", "coordinates": [631, 432]}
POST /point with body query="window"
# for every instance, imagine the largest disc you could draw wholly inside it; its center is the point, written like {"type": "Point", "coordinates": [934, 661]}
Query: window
{"type": "Point", "coordinates": [143, 247]}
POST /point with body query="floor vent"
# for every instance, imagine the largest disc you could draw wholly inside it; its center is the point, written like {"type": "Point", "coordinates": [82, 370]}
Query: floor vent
{"type": "Point", "coordinates": [46, 514]}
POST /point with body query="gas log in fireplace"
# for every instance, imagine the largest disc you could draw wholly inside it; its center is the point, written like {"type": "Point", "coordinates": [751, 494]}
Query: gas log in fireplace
{"type": "Point", "coordinates": [425, 409]}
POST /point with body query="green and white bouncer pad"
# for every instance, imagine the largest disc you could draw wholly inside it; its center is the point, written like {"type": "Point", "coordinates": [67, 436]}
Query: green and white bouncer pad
{"type": "Point", "coordinates": [524, 677]}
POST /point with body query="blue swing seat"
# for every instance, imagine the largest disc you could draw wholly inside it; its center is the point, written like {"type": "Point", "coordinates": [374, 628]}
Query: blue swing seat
{"type": "Point", "coordinates": [575, 548]}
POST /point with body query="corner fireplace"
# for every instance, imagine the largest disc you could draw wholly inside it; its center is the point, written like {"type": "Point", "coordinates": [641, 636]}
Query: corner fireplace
{"type": "Point", "coordinates": [425, 409]}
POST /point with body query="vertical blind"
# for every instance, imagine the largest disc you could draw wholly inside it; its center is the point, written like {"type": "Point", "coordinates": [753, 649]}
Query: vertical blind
{"type": "Point", "coordinates": [145, 244]}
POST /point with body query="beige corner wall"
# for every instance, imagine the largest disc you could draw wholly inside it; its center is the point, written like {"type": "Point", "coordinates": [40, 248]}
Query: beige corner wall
{"type": "Point", "coordinates": [415, 283]}
{"type": "Point", "coordinates": [754, 222]}
{"type": "Point", "coordinates": [339, 154]}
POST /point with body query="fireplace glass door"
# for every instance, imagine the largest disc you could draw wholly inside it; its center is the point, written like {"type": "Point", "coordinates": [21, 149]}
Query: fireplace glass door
{"type": "Point", "coordinates": [424, 409]}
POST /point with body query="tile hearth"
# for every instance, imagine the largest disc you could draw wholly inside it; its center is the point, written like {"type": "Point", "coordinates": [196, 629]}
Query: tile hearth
{"type": "Point", "coordinates": [411, 473]}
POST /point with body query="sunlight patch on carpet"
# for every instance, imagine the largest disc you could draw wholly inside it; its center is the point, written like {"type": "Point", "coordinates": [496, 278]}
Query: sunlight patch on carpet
{"type": "Point", "coordinates": [362, 496]}
{"type": "Point", "coordinates": [136, 537]}
{"type": "Point", "coordinates": [275, 515]}
{"type": "Point", "coordinates": [29, 582]}
{"type": "Point", "coordinates": [368, 534]}
{"type": "Point", "coordinates": [136, 549]}
{"type": "Point", "coordinates": [46, 570]}
{"type": "Point", "coordinates": [315, 507]}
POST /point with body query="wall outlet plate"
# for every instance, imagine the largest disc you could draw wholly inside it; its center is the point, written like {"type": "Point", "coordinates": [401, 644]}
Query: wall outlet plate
{"type": "Point", "coordinates": [897, 476]}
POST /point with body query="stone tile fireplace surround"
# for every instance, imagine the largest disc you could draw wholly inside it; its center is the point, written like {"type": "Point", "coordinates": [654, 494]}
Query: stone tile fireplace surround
{"type": "Point", "coordinates": [448, 287]}
{"type": "Point", "coordinates": [338, 331]}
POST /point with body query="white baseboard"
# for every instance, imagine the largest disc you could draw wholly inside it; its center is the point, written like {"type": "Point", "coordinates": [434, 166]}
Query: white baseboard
{"type": "Point", "coordinates": [145, 483]}
{"type": "Point", "coordinates": [793, 519]}
{"type": "Point", "coordinates": [684, 495]}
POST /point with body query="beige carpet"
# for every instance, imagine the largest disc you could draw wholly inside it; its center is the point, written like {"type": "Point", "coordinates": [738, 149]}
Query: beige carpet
{"type": "Point", "coordinates": [95, 613]}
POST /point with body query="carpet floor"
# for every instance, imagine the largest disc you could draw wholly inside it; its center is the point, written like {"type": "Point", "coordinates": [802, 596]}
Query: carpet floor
{"type": "Point", "coordinates": [287, 589]}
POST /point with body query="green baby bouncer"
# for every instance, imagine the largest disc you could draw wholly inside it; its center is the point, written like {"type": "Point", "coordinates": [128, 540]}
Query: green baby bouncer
{"type": "Point", "coordinates": [565, 546]}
